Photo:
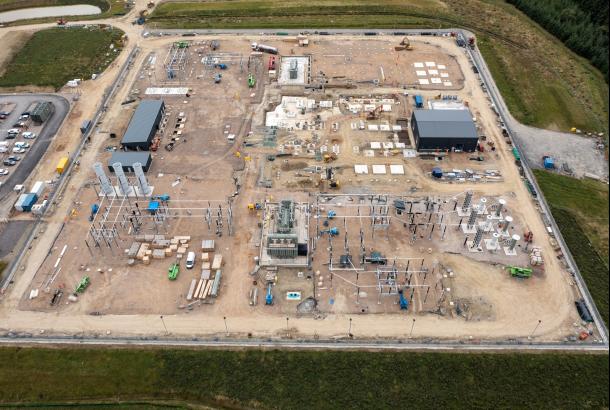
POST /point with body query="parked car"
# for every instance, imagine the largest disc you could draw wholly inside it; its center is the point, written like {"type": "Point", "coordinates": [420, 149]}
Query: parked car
{"type": "Point", "coordinates": [22, 144]}
{"type": "Point", "coordinates": [20, 124]}
{"type": "Point", "coordinates": [14, 158]}
{"type": "Point", "coordinates": [18, 150]}
{"type": "Point", "coordinates": [24, 116]}
{"type": "Point", "coordinates": [28, 135]}
{"type": "Point", "coordinates": [8, 162]}
{"type": "Point", "coordinates": [3, 171]}
{"type": "Point", "coordinates": [3, 149]}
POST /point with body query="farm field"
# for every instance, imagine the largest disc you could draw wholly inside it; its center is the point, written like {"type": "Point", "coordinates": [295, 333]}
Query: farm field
{"type": "Point", "coordinates": [290, 380]}
{"type": "Point", "coordinates": [54, 56]}
{"type": "Point", "coordinates": [573, 93]}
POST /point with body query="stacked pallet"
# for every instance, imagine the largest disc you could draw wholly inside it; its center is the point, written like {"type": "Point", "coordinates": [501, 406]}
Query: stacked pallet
{"type": "Point", "coordinates": [217, 262]}
{"type": "Point", "coordinates": [536, 256]}
{"type": "Point", "coordinates": [147, 247]}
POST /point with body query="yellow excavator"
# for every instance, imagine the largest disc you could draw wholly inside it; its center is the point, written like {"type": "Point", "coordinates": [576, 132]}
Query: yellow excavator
{"type": "Point", "coordinates": [405, 44]}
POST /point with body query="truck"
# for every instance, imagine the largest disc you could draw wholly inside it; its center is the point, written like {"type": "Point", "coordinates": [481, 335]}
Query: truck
{"type": "Point", "coordinates": [84, 127]}
{"type": "Point", "coordinates": [264, 48]}
{"type": "Point", "coordinates": [62, 165]}
{"type": "Point", "coordinates": [419, 101]}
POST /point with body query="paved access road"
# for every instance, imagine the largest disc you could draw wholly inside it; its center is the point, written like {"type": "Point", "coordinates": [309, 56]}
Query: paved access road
{"type": "Point", "coordinates": [20, 172]}
{"type": "Point", "coordinates": [339, 344]}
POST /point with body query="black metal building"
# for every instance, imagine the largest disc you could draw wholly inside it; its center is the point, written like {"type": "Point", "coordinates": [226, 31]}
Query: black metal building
{"type": "Point", "coordinates": [143, 125]}
{"type": "Point", "coordinates": [442, 130]}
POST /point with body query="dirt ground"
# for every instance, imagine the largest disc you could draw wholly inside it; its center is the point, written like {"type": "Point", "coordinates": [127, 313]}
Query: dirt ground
{"type": "Point", "coordinates": [470, 294]}
{"type": "Point", "coordinates": [12, 41]}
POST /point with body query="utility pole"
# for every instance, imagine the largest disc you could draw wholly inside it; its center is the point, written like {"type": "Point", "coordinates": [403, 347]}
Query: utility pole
{"type": "Point", "coordinates": [349, 330]}
{"type": "Point", "coordinates": [412, 326]}
{"type": "Point", "coordinates": [226, 328]}
{"type": "Point", "coordinates": [535, 328]}
{"type": "Point", "coordinates": [165, 327]}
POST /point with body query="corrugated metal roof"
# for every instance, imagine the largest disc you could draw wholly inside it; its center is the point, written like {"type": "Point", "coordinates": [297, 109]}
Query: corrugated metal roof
{"type": "Point", "coordinates": [129, 158]}
{"type": "Point", "coordinates": [445, 124]}
{"type": "Point", "coordinates": [142, 122]}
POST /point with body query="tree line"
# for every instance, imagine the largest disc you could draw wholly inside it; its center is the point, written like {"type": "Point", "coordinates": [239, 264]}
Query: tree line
{"type": "Point", "coordinates": [582, 25]}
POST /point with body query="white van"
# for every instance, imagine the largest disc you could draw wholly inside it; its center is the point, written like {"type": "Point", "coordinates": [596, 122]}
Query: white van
{"type": "Point", "coordinates": [190, 260]}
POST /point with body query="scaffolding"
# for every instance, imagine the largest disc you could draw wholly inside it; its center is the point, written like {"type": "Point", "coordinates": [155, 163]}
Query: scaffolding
{"type": "Point", "coordinates": [121, 216]}
{"type": "Point", "coordinates": [211, 60]}
{"type": "Point", "coordinates": [176, 60]}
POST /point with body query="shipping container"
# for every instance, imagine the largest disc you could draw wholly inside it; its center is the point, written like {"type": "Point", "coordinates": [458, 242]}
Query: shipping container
{"type": "Point", "coordinates": [38, 188]}
{"type": "Point", "coordinates": [62, 165]}
{"type": "Point", "coordinates": [419, 101]}
{"type": "Point", "coordinates": [42, 112]}
{"type": "Point", "coordinates": [28, 202]}
{"type": "Point", "coordinates": [19, 203]}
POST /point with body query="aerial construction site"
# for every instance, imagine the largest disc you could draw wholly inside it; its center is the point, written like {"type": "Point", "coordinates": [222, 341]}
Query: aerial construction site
{"type": "Point", "coordinates": [306, 186]}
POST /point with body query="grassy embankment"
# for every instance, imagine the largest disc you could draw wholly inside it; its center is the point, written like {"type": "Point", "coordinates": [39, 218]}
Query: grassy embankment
{"type": "Point", "coordinates": [54, 56]}
{"type": "Point", "coordinates": [296, 380]}
{"type": "Point", "coordinates": [580, 208]}
{"type": "Point", "coordinates": [543, 82]}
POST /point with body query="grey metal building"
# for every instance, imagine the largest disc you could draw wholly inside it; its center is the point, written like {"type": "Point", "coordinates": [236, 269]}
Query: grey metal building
{"type": "Point", "coordinates": [143, 125]}
{"type": "Point", "coordinates": [127, 159]}
{"type": "Point", "coordinates": [444, 130]}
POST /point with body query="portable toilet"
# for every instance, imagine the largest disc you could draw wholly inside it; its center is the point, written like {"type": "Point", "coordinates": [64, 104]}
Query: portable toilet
{"type": "Point", "coordinates": [549, 163]}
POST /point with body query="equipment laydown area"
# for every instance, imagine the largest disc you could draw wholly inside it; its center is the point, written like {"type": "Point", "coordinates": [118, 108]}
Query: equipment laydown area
{"type": "Point", "coordinates": [301, 187]}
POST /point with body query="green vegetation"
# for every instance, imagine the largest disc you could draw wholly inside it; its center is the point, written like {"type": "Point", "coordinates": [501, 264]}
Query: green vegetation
{"type": "Point", "coordinates": [586, 199]}
{"type": "Point", "coordinates": [581, 24]}
{"type": "Point", "coordinates": [299, 379]}
{"type": "Point", "coordinates": [543, 83]}
{"type": "Point", "coordinates": [580, 208]}
{"type": "Point", "coordinates": [54, 56]}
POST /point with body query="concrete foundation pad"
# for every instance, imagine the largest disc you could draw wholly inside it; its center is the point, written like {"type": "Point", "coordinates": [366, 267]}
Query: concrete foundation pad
{"type": "Point", "coordinates": [475, 249]}
{"type": "Point", "coordinates": [469, 230]}
{"type": "Point", "coordinates": [508, 252]}
{"type": "Point", "coordinates": [490, 245]}
{"type": "Point", "coordinates": [135, 192]}
{"type": "Point", "coordinates": [462, 213]}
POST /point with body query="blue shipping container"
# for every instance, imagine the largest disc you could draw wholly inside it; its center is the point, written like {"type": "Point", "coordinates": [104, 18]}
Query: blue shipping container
{"type": "Point", "coordinates": [419, 101]}
{"type": "Point", "coordinates": [28, 202]}
{"type": "Point", "coordinates": [549, 163]}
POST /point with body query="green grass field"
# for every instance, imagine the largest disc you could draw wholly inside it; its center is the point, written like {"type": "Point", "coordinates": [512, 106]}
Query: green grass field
{"type": "Point", "coordinates": [54, 56]}
{"type": "Point", "coordinates": [580, 208]}
{"type": "Point", "coordinates": [543, 82]}
{"type": "Point", "coordinates": [297, 380]}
